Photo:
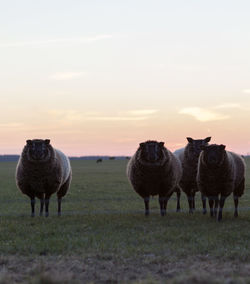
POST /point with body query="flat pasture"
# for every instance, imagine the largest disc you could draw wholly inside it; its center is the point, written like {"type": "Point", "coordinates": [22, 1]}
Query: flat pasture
{"type": "Point", "coordinates": [104, 237]}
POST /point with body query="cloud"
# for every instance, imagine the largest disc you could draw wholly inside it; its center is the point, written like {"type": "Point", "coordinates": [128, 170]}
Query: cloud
{"type": "Point", "coordinates": [68, 115]}
{"type": "Point", "coordinates": [76, 115]}
{"type": "Point", "coordinates": [246, 91]}
{"type": "Point", "coordinates": [202, 114]}
{"type": "Point", "coordinates": [56, 41]}
{"type": "Point", "coordinates": [231, 106]}
{"type": "Point", "coordinates": [98, 37]}
{"type": "Point", "coordinates": [131, 115]}
{"type": "Point", "coordinates": [11, 125]}
{"type": "Point", "coordinates": [117, 118]}
{"type": "Point", "coordinates": [66, 75]}
{"type": "Point", "coordinates": [142, 112]}
{"type": "Point", "coordinates": [228, 105]}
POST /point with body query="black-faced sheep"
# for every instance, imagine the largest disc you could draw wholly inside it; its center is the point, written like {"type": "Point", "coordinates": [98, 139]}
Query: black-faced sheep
{"type": "Point", "coordinates": [42, 171]}
{"type": "Point", "coordinates": [220, 173]}
{"type": "Point", "coordinates": [154, 170]}
{"type": "Point", "coordinates": [189, 159]}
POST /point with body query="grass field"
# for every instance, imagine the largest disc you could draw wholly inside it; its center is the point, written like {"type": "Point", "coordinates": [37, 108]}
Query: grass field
{"type": "Point", "coordinates": [104, 237]}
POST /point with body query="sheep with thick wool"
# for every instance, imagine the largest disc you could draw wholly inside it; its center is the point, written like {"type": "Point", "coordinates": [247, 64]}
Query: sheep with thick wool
{"type": "Point", "coordinates": [154, 170]}
{"type": "Point", "coordinates": [219, 174]}
{"type": "Point", "coordinates": [41, 171]}
{"type": "Point", "coordinates": [189, 159]}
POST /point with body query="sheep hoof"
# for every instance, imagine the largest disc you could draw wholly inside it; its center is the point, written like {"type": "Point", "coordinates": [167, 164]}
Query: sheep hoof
{"type": "Point", "coordinates": [191, 211]}
{"type": "Point", "coordinates": [235, 214]}
{"type": "Point", "coordinates": [163, 213]}
{"type": "Point", "coordinates": [47, 214]}
{"type": "Point", "coordinates": [32, 215]}
{"type": "Point", "coordinates": [204, 211]}
{"type": "Point", "coordinates": [178, 210]}
{"type": "Point", "coordinates": [59, 214]}
{"type": "Point", "coordinates": [219, 218]}
{"type": "Point", "coordinates": [147, 213]}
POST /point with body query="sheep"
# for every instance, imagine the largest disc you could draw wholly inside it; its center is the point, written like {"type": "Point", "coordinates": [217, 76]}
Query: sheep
{"type": "Point", "coordinates": [99, 160]}
{"type": "Point", "coordinates": [154, 170]}
{"type": "Point", "coordinates": [41, 171]}
{"type": "Point", "coordinates": [189, 159]}
{"type": "Point", "coordinates": [220, 173]}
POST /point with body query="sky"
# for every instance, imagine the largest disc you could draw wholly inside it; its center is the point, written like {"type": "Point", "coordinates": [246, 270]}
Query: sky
{"type": "Point", "coordinates": [97, 77]}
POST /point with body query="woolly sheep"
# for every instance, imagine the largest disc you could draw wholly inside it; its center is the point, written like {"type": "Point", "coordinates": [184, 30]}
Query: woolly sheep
{"type": "Point", "coordinates": [154, 170]}
{"type": "Point", "coordinates": [220, 173]}
{"type": "Point", "coordinates": [189, 159]}
{"type": "Point", "coordinates": [41, 171]}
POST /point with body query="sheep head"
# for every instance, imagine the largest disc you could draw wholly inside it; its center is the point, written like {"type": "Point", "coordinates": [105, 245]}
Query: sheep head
{"type": "Point", "coordinates": [38, 149]}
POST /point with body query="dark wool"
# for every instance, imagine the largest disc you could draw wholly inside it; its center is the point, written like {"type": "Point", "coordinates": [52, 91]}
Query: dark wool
{"type": "Point", "coordinates": [43, 178]}
{"type": "Point", "coordinates": [224, 179]}
{"type": "Point", "coordinates": [219, 181]}
{"type": "Point", "coordinates": [158, 178]}
{"type": "Point", "coordinates": [189, 160]}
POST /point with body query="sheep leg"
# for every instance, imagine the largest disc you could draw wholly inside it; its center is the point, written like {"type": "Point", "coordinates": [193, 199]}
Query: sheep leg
{"type": "Point", "coordinates": [32, 203]}
{"type": "Point", "coordinates": [41, 206]}
{"type": "Point", "coordinates": [61, 192]}
{"type": "Point", "coordinates": [221, 203]}
{"type": "Point", "coordinates": [146, 202]}
{"type": "Point", "coordinates": [162, 201]}
{"type": "Point", "coordinates": [193, 201]}
{"type": "Point", "coordinates": [236, 201]}
{"type": "Point", "coordinates": [166, 204]}
{"type": "Point", "coordinates": [211, 205]}
{"type": "Point", "coordinates": [59, 201]}
{"type": "Point", "coordinates": [203, 198]}
{"type": "Point", "coordinates": [41, 197]}
{"type": "Point", "coordinates": [190, 203]}
{"type": "Point", "coordinates": [47, 197]}
{"type": "Point", "coordinates": [216, 206]}
{"type": "Point", "coordinates": [178, 195]}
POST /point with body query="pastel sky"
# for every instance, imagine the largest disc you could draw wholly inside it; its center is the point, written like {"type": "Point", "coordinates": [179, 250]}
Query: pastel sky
{"type": "Point", "coordinates": [100, 76]}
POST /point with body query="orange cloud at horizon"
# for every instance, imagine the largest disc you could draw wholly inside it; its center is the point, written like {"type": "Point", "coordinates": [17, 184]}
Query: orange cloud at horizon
{"type": "Point", "coordinates": [121, 134]}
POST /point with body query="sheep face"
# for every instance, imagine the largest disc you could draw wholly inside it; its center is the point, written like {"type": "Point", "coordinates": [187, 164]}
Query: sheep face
{"type": "Point", "coordinates": [214, 155]}
{"type": "Point", "coordinates": [151, 151]}
{"type": "Point", "coordinates": [38, 149]}
{"type": "Point", "coordinates": [194, 146]}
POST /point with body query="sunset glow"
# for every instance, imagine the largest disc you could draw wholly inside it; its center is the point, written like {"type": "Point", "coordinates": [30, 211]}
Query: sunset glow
{"type": "Point", "coordinates": [99, 77]}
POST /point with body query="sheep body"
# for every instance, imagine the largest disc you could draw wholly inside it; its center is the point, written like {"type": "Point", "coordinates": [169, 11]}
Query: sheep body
{"type": "Point", "coordinates": [188, 157]}
{"type": "Point", "coordinates": [41, 178]}
{"type": "Point", "coordinates": [219, 176]}
{"type": "Point", "coordinates": [159, 177]}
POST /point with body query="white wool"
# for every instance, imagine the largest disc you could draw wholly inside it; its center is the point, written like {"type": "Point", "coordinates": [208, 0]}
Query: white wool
{"type": "Point", "coordinates": [65, 163]}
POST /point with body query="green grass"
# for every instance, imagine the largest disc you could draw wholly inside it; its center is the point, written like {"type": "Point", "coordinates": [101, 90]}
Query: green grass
{"type": "Point", "coordinates": [103, 226]}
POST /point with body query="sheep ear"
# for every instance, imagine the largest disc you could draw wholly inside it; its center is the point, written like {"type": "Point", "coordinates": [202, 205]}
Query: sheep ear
{"type": "Point", "coordinates": [142, 144]}
{"type": "Point", "coordinates": [28, 142]}
{"type": "Point", "coordinates": [161, 144]}
{"type": "Point", "coordinates": [222, 147]}
{"type": "Point", "coordinates": [190, 140]}
{"type": "Point", "coordinates": [47, 141]}
{"type": "Point", "coordinates": [206, 140]}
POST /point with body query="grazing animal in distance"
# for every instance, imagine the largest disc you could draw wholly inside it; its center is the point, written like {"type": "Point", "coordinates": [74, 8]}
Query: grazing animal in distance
{"type": "Point", "coordinates": [41, 171]}
{"type": "Point", "coordinates": [220, 173]}
{"type": "Point", "coordinates": [154, 170]}
{"type": "Point", "coordinates": [189, 159]}
{"type": "Point", "coordinates": [99, 160]}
